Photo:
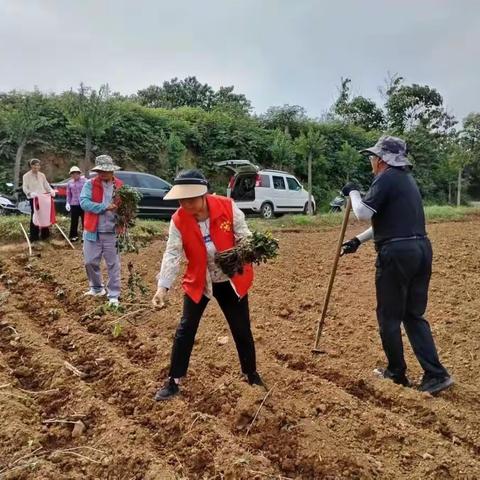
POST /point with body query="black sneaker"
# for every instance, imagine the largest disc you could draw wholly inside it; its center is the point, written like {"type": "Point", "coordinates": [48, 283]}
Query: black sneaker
{"type": "Point", "coordinates": [167, 391]}
{"type": "Point", "coordinates": [255, 379]}
{"type": "Point", "coordinates": [388, 375]}
{"type": "Point", "coordinates": [434, 385]}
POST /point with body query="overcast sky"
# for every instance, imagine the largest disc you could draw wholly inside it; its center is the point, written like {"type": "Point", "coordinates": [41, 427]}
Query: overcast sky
{"type": "Point", "coordinates": [273, 51]}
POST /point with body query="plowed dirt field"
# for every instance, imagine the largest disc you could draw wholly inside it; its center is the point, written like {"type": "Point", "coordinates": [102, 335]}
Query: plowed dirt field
{"type": "Point", "coordinates": [77, 403]}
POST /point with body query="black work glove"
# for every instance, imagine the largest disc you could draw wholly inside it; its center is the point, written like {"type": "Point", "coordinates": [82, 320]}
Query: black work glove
{"type": "Point", "coordinates": [351, 246]}
{"type": "Point", "coordinates": [349, 187]}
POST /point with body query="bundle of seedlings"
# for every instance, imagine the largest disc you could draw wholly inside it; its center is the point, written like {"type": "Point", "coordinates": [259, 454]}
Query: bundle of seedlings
{"type": "Point", "coordinates": [127, 199]}
{"type": "Point", "coordinates": [258, 248]}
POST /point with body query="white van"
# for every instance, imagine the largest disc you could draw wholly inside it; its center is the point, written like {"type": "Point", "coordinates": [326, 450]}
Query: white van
{"type": "Point", "coordinates": [267, 192]}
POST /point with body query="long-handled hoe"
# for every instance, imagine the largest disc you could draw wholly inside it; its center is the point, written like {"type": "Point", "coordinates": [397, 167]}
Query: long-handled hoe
{"type": "Point", "coordinates": [338, 252]}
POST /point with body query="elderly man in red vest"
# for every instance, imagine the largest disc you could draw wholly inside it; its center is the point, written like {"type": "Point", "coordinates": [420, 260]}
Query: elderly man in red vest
{"type": "Point", "coordinates": [99, 229]}
{"type": "Point", "coordinates": [203, 225]}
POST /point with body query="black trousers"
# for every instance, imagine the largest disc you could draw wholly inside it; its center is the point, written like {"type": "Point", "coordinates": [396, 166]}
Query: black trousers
{"type": "Point", "coordinates": [403, 271]}
{"type": "Point", "coordinates": [37, 233]}
{"type": "Point", "coordinates": [238, 317]}
{"type": "Point", "coordinates": [76, 214]}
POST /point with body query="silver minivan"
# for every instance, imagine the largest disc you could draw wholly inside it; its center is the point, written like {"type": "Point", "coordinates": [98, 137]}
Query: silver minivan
{"type": "Point", "coordinates": [267, 192]}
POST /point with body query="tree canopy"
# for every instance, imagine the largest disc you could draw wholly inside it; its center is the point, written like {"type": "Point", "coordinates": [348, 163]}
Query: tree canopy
{"type": "Point", "coordinates": [185, 123]}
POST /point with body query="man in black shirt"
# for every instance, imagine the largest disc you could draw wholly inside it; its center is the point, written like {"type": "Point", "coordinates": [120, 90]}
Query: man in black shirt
{"type": "Point", "coordinates": [404, 262]}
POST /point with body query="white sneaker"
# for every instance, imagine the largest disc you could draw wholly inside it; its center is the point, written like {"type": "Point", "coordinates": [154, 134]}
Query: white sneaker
{"type": "Point", "coordinates": [94, 293]}
{"type": "Point", "coordinates": [113, 301]}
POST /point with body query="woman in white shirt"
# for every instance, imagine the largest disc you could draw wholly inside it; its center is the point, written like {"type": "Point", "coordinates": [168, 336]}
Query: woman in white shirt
{"type": "Point", "coordinates": [34, 183]}
{"type": "Point", "coordinates": [203, 225]}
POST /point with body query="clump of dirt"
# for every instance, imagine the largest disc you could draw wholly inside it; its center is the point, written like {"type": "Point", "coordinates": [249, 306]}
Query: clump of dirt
{"type": "Point", "coordinates": [76, 401]}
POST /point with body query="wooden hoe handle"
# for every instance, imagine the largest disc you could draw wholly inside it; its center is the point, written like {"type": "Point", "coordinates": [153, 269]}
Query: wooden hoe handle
{"type": "Point", "coordinates": [346, 215]}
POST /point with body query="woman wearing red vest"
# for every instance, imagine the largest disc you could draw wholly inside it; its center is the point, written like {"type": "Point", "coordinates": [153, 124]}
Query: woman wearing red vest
{"type": "Point", "coordinates": [203, 225]}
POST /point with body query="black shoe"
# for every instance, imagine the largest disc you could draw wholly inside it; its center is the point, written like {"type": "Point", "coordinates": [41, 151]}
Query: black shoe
{"type": "Point", "coordinates": [167, 391]}
{"type": "Point", "coordinates": [435, 385]}
{"type": "Point", "coordinates": [395, 378]}
{"type": "Point", "coordinates": [255, 379]}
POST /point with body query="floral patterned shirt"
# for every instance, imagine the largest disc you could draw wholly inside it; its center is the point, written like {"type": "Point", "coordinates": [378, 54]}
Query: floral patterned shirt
{"type": "Point", "coordinates": [174, 252]}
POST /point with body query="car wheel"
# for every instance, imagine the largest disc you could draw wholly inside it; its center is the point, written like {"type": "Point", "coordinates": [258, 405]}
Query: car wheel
{"type": "Point", "coordinates": [305, 210]}
{"type": "Point", "coordinates": [267, 211]}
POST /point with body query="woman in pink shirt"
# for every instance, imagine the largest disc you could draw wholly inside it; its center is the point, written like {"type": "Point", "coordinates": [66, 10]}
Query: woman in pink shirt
{"type": "Point", "coordinates": [74, 188]}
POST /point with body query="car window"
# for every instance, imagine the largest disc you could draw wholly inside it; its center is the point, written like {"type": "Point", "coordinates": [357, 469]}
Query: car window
{"type": "Point", "coordinates": [293, 184]}
{"type": "Point", "coordinates": [149, 181]}
{"type": "Point", "coordinates": [278, 183]}
{"type": "Point", "coordinates": [264, 181]}
{"type": "Point", "coordinates": [128, 178]}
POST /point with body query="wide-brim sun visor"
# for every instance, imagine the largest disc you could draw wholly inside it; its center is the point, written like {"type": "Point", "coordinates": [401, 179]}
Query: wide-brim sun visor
{"type": "Point", "coordinates": [187, 188]}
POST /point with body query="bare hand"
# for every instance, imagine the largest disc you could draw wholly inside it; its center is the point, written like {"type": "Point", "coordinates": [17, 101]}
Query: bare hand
{"type": "Point", "coordinates": [158, 300]}
{"type": "Point", "coordinates": [112, 206]}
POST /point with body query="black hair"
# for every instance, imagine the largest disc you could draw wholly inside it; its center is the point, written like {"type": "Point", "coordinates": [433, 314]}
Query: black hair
{"type": "Point", "coordinates": [191, 173]}
{"type": "Point", "coordinates": [34, 161]}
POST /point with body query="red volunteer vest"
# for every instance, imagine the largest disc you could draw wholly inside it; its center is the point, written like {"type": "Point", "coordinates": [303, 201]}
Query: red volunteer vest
{"type": "Point", "coordinates": [222, 235]}
{"type": "Point", "coordinates": [90, 222]}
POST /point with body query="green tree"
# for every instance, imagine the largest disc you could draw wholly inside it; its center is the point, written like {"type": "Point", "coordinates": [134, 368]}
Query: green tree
{"type": "Point", "coordinates": [459, 158]}
{"type": "Point", "coordinates": [447, 176]}
{"type": "Point", "coordinates": [91, 113]}
{"type": "Point", "coordinates": [311, 145]}
{"type": "Point", "coordinates": [414, 105]}
{"type": "Point", "coordinates": [151, 97]}
{"type": "Point", "coordinates": [282, 150]}
{"type": "Point", "coordinates": [288, 118]}
{"type": "Point", "coordinates": [176, 93]}
{"type": "Point", "coordinates": [175, 152]}
{"type": "Point", "coordinates": [358, 110]}
{"type": "Point", "coordinates": [21, 121]}
{"type": "Point", "coordinates": [189, 92]}
{"type": "Point", "coordinates": [235, 103]}
{"type": "Point", "coordinates": [347, 160]}
{"type": "Point", "coordinates": [471, 134]}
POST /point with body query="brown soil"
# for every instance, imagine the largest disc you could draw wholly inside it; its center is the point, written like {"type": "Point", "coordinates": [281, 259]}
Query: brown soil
{"type": "Point", "coordinates": [326, 416]}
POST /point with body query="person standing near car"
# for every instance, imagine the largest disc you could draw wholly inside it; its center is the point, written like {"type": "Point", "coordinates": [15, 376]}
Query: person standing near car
{"type": "Point", "coordinates": [203, 225]}
{"type": "Point", "coordinates": [35, 183]}
{"type": "Point", "coordinates": [100, 228]}
{"type": "Point", "coordinates": [74, 188]}
{"type": "Point", "coordinates": [404, 262]}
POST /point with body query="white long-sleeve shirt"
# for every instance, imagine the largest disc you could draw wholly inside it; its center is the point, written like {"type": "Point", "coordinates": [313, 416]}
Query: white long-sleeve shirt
{"type": "Point", "coordinates": [174, 252]}
{"type": "Point", "coordinates": [35, 183]}
{"type": "Point", "coordinates": [362, 212]}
